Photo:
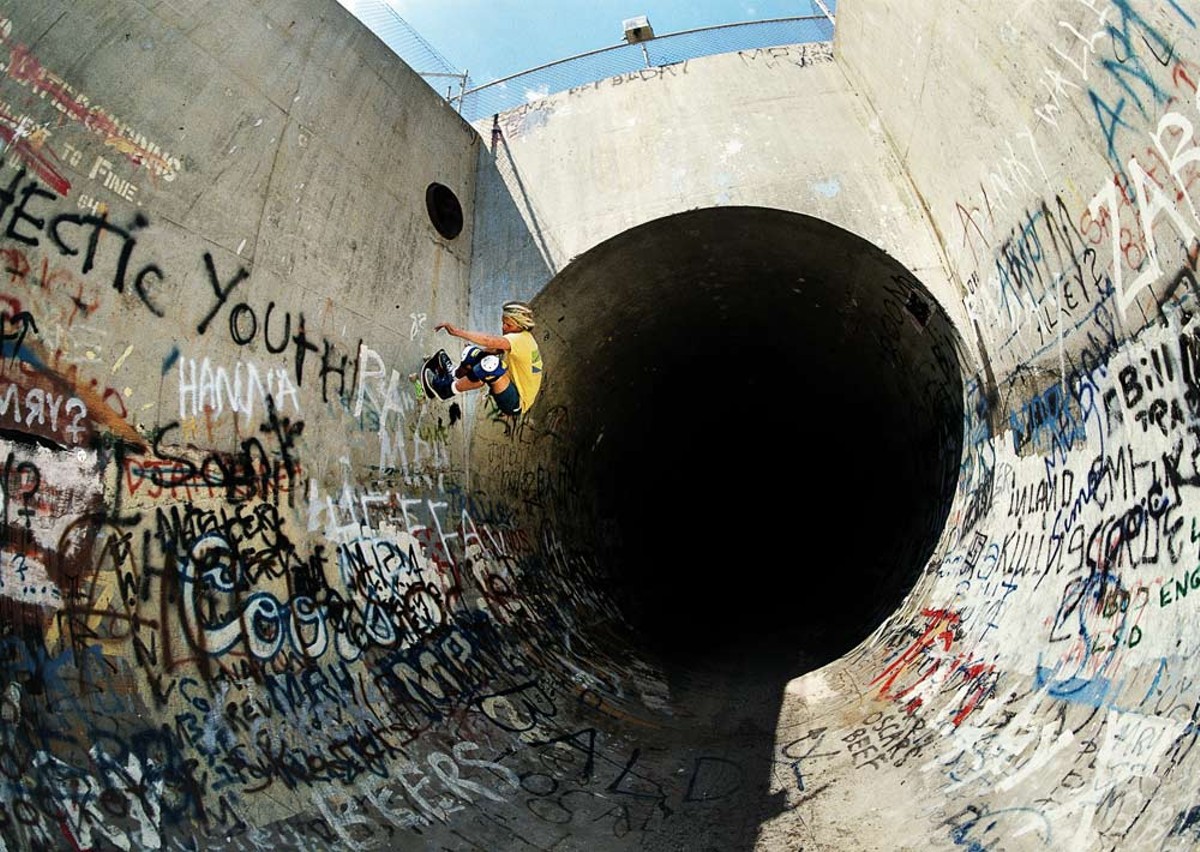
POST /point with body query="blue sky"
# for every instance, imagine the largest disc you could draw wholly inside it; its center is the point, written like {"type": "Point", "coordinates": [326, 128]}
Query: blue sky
{"type": "Point", "coordinates": [492, 39]}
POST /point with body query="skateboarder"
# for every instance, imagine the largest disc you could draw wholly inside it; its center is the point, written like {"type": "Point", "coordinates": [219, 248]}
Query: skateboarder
{"type": "Point", "coordinates": [509, 364]}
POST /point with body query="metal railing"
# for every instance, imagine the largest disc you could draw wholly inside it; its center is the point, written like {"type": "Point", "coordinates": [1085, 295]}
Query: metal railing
{"type": "Point", "coordinates": [526, 86]}
{"type": "Point", "coordinates": [475, 102]}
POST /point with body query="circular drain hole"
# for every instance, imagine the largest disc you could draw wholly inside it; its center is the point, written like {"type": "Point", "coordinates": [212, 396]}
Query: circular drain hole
{"type": "Point", "coordinates": [444, 210]}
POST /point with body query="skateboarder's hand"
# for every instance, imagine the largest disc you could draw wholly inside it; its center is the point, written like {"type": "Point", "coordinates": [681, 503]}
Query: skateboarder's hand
{"type": "Point", "coordinates": [446, 327]}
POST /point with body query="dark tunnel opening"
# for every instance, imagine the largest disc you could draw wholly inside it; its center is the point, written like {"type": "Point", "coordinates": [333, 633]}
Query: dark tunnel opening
{"type": "Point", "coordinates": [794, 551]}
{"type": "Point", "coordinates": [771, 411]}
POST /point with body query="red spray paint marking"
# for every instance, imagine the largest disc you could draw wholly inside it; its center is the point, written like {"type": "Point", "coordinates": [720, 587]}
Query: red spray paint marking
{"type": "Point", "coordinates": [975, 673]}
{"type": "Point", "coordinates": [1181, 72]}
{"type": "Point", "coordinates": [937, 618]}
{"type": "Point", "coordinates": [24, 67]}
{"type": "Point", "coordinates": [939, 628]}
{"type": "Point", "coordinates": [33, 157]}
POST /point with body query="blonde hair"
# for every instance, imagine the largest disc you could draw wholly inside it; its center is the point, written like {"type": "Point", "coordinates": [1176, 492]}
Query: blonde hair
{"type": "Point", "coordinates": [520, 313]}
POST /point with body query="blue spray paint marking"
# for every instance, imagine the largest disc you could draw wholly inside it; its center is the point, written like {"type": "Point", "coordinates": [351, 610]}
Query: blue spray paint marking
{"type": "Point", "coordinates": [170, 360]}
{"type": "Point", "coordinates": [1081, 597]}
{"type": "Point", "coordinates": [1076, 690]}
{"type": "Point", "coordinates": [828, 188]}
{"type": "Point", "coordinates": [1127, 69]}
{"type": "Point", "coordinates": [1191, 23]}
{"type": "Point", "coordinates": [986, 829]}
{"type": "Point", "coordinates": [1045, 419]}
{"type": "Point", "coordinates": [23, 355]}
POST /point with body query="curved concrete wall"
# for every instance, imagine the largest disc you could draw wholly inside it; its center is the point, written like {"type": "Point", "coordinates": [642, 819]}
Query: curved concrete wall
{"type": "Point", "coordinates": [930, 588]}
{"type": "Point", "coordinates": [776, 128]}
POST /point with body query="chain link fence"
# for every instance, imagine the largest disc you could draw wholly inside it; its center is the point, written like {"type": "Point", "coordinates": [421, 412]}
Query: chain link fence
{"type": "Point", "coordinates": [518, 89]}
{"type": "Point", "coordinates": [380, 18]}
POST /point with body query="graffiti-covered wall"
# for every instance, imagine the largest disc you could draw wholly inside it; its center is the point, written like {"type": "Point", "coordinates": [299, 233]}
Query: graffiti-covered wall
{"type": "Point", "coordinates": [1051, 652]}
{"type": "Point", "coordinates": [220, 488]}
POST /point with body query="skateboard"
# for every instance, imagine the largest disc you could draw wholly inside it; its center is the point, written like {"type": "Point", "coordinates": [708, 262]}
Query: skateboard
{"type": "Point", "coordinates": [437, 375]}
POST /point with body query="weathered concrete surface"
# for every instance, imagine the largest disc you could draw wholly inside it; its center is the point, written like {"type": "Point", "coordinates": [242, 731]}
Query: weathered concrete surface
{"type": "Point", "coordinates": [855, 513]}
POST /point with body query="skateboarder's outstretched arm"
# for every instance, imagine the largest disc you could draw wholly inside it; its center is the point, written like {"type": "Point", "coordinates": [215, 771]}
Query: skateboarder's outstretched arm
{"type": "Point", "coordinates": [494, 342]}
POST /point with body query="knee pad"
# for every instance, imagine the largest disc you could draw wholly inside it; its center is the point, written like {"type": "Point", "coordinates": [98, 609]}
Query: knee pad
{"type": "Point", "coordinates": [470, 358]}
{"type": "Point", "coordinates": [489, 368]}
{"type": "Point", "coordinates": [471, 354]}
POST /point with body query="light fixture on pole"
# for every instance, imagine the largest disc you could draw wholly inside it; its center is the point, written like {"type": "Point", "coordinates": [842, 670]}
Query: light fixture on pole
{"type": "Point", "coordinates": [639, 31]}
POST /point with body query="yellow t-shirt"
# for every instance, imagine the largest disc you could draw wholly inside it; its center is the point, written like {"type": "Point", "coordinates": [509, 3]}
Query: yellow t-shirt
{"type": "Point", "coordinates": [524, 361]}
